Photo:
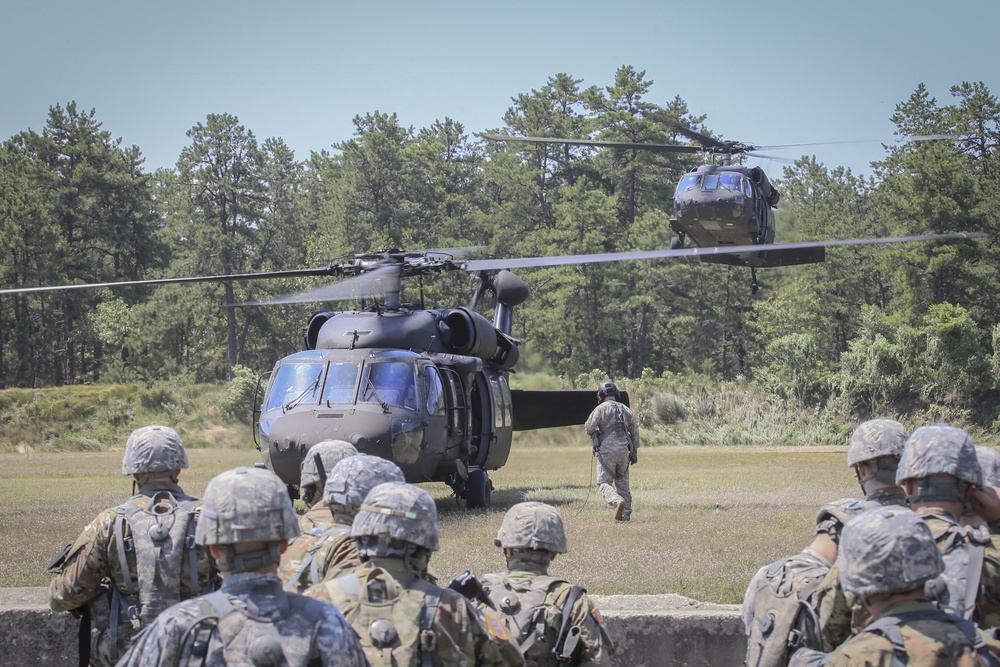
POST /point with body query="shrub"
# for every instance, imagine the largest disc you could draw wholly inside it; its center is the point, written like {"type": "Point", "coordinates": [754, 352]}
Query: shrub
{"type": "Point", "coordinates": [236, 403]}
{"type": "Point", "coordinates": [668, 408]}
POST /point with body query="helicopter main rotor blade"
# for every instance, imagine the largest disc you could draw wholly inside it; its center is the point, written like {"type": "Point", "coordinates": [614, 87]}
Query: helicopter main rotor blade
{"type": "Point", "coordinates": [565, 260]}
{"type": "Point", "coordinates": [291, 273]}
{"type": "Point", "coordinates": [373, 283]}
{"type": "Point", "coordinates": [626, 145]}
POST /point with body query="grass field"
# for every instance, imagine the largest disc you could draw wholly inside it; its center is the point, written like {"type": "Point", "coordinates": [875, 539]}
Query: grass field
{"type": "Point", "coordinates": [676, 543]}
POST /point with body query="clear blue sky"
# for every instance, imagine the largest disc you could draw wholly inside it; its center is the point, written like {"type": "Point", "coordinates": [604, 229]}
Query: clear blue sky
{"type": "Point", "coordinates": [763, 72]}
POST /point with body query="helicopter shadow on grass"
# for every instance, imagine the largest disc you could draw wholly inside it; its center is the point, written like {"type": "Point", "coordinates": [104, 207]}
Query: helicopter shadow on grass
{"type": "Point", "coordinates": [503, 499]}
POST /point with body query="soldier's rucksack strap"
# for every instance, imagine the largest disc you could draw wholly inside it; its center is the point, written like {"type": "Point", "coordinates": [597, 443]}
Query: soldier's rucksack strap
{"type": "Point", "coordinates": [977, 556]}
{"type": "Point", "coordinates": [310, 560]}
{"type": "Point", "coordinates": [569, 635]}
{"type": "Point", "coordinates": [428, 641]}
{"type": "Point", "coordinates": [190, 546]}
{"type": "Point", "coordinates": [888, 627]}
{"type": "Point", "coordinates": [211, 608]}
{"type": "Point", "coordinates": [120, 543]}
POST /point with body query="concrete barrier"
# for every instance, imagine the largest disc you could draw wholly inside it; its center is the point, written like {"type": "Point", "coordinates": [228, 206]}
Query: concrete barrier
{"type": "Point", "coordinates": [648, 630]}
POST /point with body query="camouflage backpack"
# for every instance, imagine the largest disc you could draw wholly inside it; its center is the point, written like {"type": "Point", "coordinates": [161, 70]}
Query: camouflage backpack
{"type": "Point", "coordinates": [162, 535]}
{"type": "Point", "coordinates": [522, 608]}
{"type": "Point", "coordinates": [783, 616]}
{"type": "Point", "coordinates": [243, 639]}
{"type": "Point", "coordinates": [964, 550]}
{"type": "Point", "coordinates": [395, 623]}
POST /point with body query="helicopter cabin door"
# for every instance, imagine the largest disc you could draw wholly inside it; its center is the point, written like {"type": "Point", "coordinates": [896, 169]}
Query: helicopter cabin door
{"type": "Point", "coordinates": [492, 421]}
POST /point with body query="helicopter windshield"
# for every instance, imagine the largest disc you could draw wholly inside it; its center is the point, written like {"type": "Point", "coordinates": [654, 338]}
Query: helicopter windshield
{"type": "Point", "coordinates": [294, 384]}
{"type": "Point", "coordinates": [391, 382]}
{"type": "Point", "coordinates": [341, 380]}
{"type": "Point", "coordinates": [689, 181]}
{"type": "Point", "coordinates": [731, 181]}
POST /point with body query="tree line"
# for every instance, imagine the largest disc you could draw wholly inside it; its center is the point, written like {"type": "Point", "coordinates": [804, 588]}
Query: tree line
{"type": "Point", "coordinates": [877, 328]}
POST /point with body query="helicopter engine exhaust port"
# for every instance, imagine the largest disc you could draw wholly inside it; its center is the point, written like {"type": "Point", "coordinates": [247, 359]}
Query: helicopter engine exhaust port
{"type": "Point", "coordinates": [467, 332]}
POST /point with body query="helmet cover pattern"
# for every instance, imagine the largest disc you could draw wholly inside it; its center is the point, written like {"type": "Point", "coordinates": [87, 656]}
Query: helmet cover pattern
{"type": "Point", "coordinates": [246, 505]}
{"type": "Point", "coordinates": [353, 477]}
{"type": "Point", "coordinates": [398, 511]}
{"type": "Point", "coordinates": [153, 449]}
{"type": "Point", "coordinates": [330, 453]}
{"type": "Point", "coordinates": [939, 449]}
{"type": "Point", "coordinates": [885, 550]}
{"type": "Point", "coordinates": [532, 525]}
{"type": "Point", "coordinates": [876, 438]}
{"type": "Point", "coordinates": [989, 463]}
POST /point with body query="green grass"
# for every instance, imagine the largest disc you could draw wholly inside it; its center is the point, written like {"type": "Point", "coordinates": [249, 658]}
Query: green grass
{"type": "Point", "coordinates": [676, 543]}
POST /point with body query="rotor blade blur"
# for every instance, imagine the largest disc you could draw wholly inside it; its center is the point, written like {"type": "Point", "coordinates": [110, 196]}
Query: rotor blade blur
{"type": "Point", "coordinates": [366, 285]}
{"type": "Point", "coordinates": [624, 145]}
{"type": "Point", "coordinates": [565, 260]}
{"type": "Point", "coordinates": [291, 273]}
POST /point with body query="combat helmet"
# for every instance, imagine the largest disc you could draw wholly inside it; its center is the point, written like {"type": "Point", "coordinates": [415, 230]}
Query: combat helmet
{"type": "Point", "coordinates": [889, 549]}
{"type": "Point", "coordinates": [152, 449]}
{"type": "Point", "coordinates": [352, 478]}
{"type": "Point", "coordinates": [832, 517]}
{"type": "Point", "coordinates": [532, 525]}
{"type": "Point", "coordinates": [314, 472]}
{"type": "Point", "coordinates": [398, 511]}
{"type": "Point", "coordinates": [989, 463]}
{"type": "Point", "coordinates": [878, 443]}
{"type": "Point", "coordinates": [246, 505]}
{"type": "Point", "coordinates": [606, 389]}
{"type": "Point", "coordinates": [939, 449]}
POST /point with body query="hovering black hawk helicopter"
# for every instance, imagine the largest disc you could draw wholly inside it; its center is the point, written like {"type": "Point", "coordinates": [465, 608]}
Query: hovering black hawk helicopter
{"type": "Point", "coordinates": [719, 205]}
{"type": "Point", "coordinates": [426, 388]}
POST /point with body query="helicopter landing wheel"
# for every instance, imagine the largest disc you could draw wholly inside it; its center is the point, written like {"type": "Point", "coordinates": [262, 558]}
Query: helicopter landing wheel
{"type": "Point", "coordinates": [677, 242]}
{"type": "Point", "coordinates": [477, 489]}
{"type": "Point", "coordinates": [753, 280]}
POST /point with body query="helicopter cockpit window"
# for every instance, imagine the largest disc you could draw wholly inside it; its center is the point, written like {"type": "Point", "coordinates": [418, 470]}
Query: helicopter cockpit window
{"type": "Point", "coordinates": [731, 181]}
{"type": "Point", "coordinates": [435, 391]}
{"type": "Point", "coordinates": [390, 382]}
{"type": "Point", "coordinates": [711, 182]}
{"type": "Point", "coordinates": [689, 181]}
{"type": "Point", "coordinates": [341, 380]}
{"type": "Point", "coordinates": [295, 384]}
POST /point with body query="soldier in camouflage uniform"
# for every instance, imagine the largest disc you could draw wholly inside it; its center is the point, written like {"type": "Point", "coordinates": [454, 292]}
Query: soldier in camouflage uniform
{"type": "Point", "coordinates": [316, 467]}
{"type": "Point", "coordinates": [534, 603]}
{"type": "Point", "coordinates": [402, 618]}
{"type": "Point", "coordinates": [247, 520]}
{"type": "Point", "coordinates": [887, 555]}
{"type": "Point", "coordinates": [615, 435]}
{"type": "Point", "coordinates": [873, 455]}
{"type": "Point", "coordinates": [326, 546]}
{"type": "Point", "coordinates": [135, 560]}
{"type": "Point", "coordinates": [939, 470]}
{"type": "Point", "coordinates": [779, 608]}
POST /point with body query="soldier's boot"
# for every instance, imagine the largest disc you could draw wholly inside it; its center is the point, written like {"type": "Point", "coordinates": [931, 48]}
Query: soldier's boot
{"type": "Point", "coordinates": [620, 512]}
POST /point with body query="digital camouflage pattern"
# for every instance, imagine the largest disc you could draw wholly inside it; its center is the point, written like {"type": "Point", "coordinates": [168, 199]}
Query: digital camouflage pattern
{"type": "Point", "coordinates": [532, 604]}
{"type": "Point", "coordinates": [831, 518]}
{"type": "Point", "coordinates": [876, 438]}
{"type": "Point", "coordinates": [532, 525]}
{"type": "Point", "coordinates": [93, 565]}
{"type": "Point", "coordinates": [153, 449]}
{"type": "Point", "coordinates": [398, 511]}
{"type": "Point", "coordinates": [927, 637]}
{"type": "Point", "coordinates": [250, 621]}
{"type": "Point", "coordinates": [940, 449]}
{"type": "Point", "coordinates": [385, 603]}
{"type": "Point", "coordinates": [963, 548]}
{"type": "Point", "coordinates": [325, 542]}
{"type": "Point", "coordinates": [989, 463]}
{"type": "Point", "coordinates": [331, 452]}
{"type": "Point", "coordinates": [887, 549]}
{"type": "Point", "coordinates": [617, 436]}
{"type": "Point", "coordinates": [246, 505]}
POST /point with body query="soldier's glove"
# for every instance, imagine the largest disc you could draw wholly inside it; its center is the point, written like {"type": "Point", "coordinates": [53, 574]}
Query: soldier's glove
{"type": "Point", "coordinates": [596, 443]}
{"type": "Point", "coordinates": [633, 457]}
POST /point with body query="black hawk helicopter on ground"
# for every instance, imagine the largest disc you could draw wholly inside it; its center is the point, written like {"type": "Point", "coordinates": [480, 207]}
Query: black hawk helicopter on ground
{"type": "Point", "coordinates": [425, 388]}
{"type": "Point", "coordinates": [719, 205]}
